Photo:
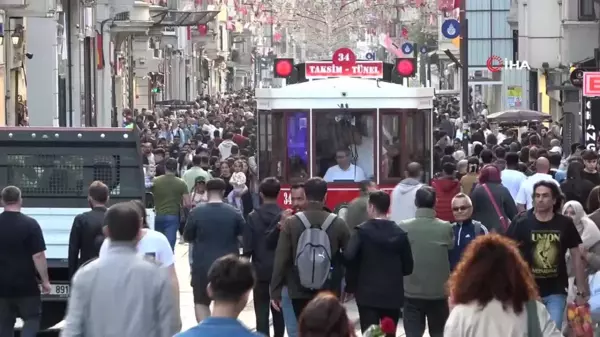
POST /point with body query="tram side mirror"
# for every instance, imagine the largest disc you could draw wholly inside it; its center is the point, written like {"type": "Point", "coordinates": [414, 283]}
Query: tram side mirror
{"type": "Point", "coordinates": [149, 200]}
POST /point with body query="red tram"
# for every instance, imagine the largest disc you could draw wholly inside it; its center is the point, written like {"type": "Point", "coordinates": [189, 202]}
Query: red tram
{"type": "Point", "coordinates": [344, 129]}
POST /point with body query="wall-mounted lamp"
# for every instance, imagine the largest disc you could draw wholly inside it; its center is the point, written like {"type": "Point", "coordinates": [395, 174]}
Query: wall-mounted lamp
{"type": "Point", "coordinates": [16, 37]}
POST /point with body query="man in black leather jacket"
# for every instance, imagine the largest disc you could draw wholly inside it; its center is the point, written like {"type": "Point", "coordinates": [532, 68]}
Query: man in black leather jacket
{"type": "Point", "coordinates": [86, 234]}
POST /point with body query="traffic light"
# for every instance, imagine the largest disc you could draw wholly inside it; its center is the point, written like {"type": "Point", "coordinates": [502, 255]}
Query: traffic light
{"type": "Point", "coordinates": [406, 67]}
{"type": "Point", "coordinates": [283, 68]}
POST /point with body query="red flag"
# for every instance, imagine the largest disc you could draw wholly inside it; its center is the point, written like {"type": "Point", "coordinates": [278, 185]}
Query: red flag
{"type": "Point", "coordinates": [100, 51]}
{"type": "Point", "coordinates": [277, 37]}
{"type": "Point", "coordinates": [404, 32]}
{"type": "Point", "coordinates": [457, 3]}
{"type": "Point", "coordinates": [445, 5]}
{"type": "Point", "coordinates": [203, 30]}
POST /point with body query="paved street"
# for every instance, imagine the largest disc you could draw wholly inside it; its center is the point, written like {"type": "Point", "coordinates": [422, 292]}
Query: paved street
{"type": "Point", "coordinates": [247, 316]}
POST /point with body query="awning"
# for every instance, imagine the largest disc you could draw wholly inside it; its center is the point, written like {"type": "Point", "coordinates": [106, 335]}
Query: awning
{"type": "Point", "coordinates": [172, 18]}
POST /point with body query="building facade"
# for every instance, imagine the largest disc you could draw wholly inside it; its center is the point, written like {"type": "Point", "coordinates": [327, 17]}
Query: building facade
{"type": "Point", "coordinates": [491, 37]}
{"type": "Point", "coordinates": [567, 35]}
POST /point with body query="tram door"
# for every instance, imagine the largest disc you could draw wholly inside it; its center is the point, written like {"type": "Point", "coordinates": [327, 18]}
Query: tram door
{"type": "Point", "coordinates": [283, 145]}
{"type": "Point", "coordinates": [405, 136]}
{"type": "Point", "coordinates": [270, 136]}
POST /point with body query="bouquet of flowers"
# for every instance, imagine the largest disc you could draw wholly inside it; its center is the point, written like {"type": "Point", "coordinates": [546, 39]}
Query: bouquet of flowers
{"type": "Point", "coordinates": [580, 320]}
{"type": "Point", "coordinates": [386, 327]}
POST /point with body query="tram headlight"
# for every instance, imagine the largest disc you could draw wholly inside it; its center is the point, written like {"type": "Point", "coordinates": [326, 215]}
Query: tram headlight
{"type": "Point", "coordinates": [283, 68]}
{"type": "Point", "coordinates": [406, 67]}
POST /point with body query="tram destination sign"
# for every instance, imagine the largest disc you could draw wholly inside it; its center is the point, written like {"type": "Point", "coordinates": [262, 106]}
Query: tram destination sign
{"type": "Point", "coordinates": [324, 69]}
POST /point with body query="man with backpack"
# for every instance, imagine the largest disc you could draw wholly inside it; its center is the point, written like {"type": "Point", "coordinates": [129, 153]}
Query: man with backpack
{"type": "Point", "coordinates": [309, 250]}
{"type": "Point", "coordinates": [465, 228]}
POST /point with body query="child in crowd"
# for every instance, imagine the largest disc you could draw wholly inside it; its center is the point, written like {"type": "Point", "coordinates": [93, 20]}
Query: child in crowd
{"type": "Point", "coordinates": [238, 181]}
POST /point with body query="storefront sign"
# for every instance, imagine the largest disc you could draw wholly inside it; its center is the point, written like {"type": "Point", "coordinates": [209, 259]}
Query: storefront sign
{"type": "Point", "coordinates": [364, 69]}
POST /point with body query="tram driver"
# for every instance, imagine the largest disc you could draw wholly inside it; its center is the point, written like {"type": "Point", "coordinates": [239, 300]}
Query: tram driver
{"type": "Point", "coordinates": [344, 170]}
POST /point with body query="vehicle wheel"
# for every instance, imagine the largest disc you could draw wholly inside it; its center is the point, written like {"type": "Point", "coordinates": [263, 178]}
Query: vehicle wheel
{"type": "Point", "coordinates": [52, 314]}
{"type": "Point", "coordinates": [341, 210]}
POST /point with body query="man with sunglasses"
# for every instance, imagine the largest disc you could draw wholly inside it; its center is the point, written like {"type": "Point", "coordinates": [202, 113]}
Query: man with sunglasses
{"type": "Point", "coordinates": [465, 228]}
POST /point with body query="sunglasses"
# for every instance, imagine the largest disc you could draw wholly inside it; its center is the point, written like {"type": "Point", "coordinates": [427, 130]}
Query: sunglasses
{"type": "Point", "coordinates": [460, 208]}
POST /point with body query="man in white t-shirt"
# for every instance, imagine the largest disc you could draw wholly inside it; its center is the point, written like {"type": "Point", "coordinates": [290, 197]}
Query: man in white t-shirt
{"type": "Point", "coordinates": [153, 246]}
{"type": "Point", "coordinates": [344, 170]}
{"type": "Point", "coordinates": [524, 198]}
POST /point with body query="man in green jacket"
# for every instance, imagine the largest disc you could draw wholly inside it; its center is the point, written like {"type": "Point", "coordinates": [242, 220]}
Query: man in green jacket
{"type": "Point", "coordinates": [284, 273]}
{"type": "Point", "coordinates": [357, 208]}
{"type": "Point", "coordinates": [424, 290]}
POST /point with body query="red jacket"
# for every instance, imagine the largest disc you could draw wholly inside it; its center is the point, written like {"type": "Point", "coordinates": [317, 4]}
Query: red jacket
{"type": "Point", "coordinates": [445, 190]}
{"type": "Point", "coordinates": [239, 139]}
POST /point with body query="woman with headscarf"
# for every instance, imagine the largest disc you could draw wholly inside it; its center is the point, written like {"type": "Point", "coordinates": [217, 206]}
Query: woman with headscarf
{"type": "Point", "coordinates": [462, 168]}
{"type": "Point", "coordinates": [590, 247]}
{"type": "Point", "coordinates": [493, 205]}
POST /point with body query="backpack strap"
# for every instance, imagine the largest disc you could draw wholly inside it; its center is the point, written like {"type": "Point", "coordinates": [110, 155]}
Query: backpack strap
{"type": "Point", "coordinates": [304, 220]}
{"type": "Point", "coordinates": [330, 218]}
{"type": "Point", "coordinates": [328, 221]}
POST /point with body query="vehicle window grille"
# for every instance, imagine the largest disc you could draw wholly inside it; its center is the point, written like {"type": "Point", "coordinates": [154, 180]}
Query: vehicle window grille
{"type": "Point", "coordinates": [42, 175]}
{"type": "Point", "coordinates": [107, 169]}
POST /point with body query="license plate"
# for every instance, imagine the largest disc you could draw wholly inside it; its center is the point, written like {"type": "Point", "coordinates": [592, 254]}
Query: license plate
{"type": "Point", "coordinates": [59, 289]}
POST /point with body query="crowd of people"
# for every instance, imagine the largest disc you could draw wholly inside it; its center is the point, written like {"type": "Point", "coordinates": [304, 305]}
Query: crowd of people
{"type": "Point", "coordinates": [502, 239]}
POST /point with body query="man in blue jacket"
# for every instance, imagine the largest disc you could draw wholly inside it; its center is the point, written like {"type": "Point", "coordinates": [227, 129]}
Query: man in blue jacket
{"type": "Point", "coordinates": [465, 228]}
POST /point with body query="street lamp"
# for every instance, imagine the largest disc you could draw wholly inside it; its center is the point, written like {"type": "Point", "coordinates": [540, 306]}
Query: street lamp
{"type": "Point", "coordinates": [16, 37]}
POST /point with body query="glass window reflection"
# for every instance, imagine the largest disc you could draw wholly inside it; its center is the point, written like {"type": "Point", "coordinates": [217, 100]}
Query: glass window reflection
{"type": "Point", "coordinates": [344, 143]}
{"type": "Point", "coordinates": [270, 142]}
{"type": "Point", "coordinates": [391, 146]}
{"type": "Point", "coordinates": [297, 145]}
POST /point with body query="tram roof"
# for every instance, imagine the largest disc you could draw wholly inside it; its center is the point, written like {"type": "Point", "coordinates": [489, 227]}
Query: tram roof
{"type": "Point", "coordinates": [358, 93]}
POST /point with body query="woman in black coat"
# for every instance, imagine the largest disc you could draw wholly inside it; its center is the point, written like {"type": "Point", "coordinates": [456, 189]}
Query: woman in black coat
{"type": "Point", "coordinates": [575, 187]}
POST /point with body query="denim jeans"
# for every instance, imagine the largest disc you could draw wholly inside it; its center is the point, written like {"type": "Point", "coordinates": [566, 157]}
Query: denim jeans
{"type": "Point", "coordinates": [28, 308]}
{"type": "Point", "coordinates": [289, 316]}
{"type": "Point", "coordinates": [168, 225]}
{"type": "Point", "coordinates": [555, 304]}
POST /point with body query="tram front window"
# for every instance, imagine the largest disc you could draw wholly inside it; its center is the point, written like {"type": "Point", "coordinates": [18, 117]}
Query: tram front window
{"type": "Point", "coordinates": [288, 161]}
{"type": "Point", "coordinates": [392, 156]}
{"type": "Point", "coordinates": [344, 145]}
{"type": "Point", "coordinates": [271, 137]}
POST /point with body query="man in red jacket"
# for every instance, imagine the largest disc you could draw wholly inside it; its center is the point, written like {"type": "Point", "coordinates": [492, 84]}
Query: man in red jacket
{"type": "Point", "coordinates": [446, 187]}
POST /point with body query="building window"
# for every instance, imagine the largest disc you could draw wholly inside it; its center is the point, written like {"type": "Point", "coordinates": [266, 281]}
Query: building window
{"type": "Point", "coordinates": [515, 44]}
{"type": "Point", "coordinates": [586, 10]}
{"type": "Point", "coordinates": [221, 37]}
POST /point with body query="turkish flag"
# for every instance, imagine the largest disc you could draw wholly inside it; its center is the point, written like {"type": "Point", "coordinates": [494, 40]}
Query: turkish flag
{"type": "Point", "coordinates": [446, 5]}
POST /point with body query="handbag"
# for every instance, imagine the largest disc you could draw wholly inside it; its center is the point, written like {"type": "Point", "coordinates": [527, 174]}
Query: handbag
{"type": "Point", "coordinates": [533, 320]}
{"type": "Point", "coordinates": [503, 221]}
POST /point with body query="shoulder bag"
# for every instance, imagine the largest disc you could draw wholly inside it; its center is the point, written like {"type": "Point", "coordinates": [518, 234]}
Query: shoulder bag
{"type": "Point", "coordinates": [533, 320]}
{"type": "Point", "coordinates": [503, 220]}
